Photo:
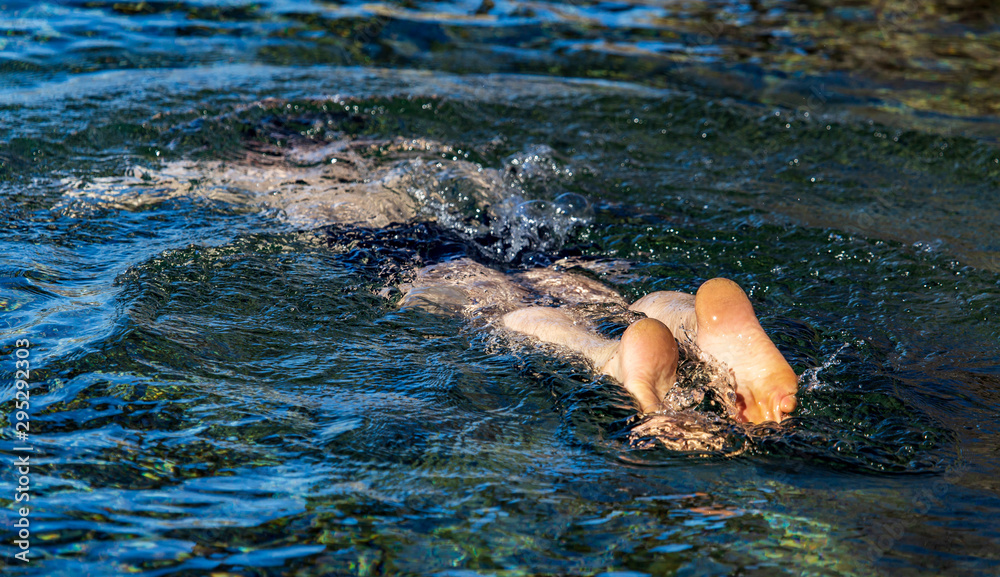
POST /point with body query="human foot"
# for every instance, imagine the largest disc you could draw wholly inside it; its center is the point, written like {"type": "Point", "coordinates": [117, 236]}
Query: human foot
{"type": "Point", "coordinates": [728, 330]}
{"type": "Point", "coordinates": [646, 363]}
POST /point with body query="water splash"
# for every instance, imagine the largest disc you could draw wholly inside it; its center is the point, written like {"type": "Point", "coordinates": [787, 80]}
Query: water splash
{"type": "Point", "coordinates": [515, 214]}
{"type": "Point", "coordinates": [809, 379]}
{"type": "Point", "coordinates": [494, 208]}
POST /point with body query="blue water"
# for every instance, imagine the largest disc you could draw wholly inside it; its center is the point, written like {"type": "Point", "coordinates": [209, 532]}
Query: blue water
{"type": "Point", "coordinates": [221, 382]}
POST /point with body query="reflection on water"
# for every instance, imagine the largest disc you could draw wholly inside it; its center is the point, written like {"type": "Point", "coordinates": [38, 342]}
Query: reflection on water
{"type": "Point", "coordinates": [207, 262]}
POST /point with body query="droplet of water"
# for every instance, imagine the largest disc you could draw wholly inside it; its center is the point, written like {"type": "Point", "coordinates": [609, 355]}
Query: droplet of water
{"type": "Point", "coordinates": [809, 379]}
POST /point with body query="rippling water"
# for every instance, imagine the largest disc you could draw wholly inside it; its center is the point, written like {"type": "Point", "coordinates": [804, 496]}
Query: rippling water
{"type": "Point", "coordinates": [221, 381]}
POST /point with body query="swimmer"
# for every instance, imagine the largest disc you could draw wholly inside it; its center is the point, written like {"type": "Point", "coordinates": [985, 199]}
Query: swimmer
{"type": "Point", "coordinates": [719, 320]}
{"type": "Point", "coordinates": [316, 183]}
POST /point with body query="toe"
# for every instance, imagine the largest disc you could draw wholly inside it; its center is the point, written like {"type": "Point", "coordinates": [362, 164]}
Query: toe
{"type": "Point", "coordinates": [788, 404]}
{"type": "Point", "coordinates": [784, 406]}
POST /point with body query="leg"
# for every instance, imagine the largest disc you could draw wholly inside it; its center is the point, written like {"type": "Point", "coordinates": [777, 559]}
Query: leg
{"type": "Point", "coordinates": [567, 287]}
{"type": "Point", "coordinates": [438, 299]}
{"type": "Point", "coordinates": [674, 309]}
{"type": "Point", "coordinates": [554, 326]}
{"type": "Point", "coordinates": [462, 286]}
{"type": "Point", "coordinates": [644, 361]}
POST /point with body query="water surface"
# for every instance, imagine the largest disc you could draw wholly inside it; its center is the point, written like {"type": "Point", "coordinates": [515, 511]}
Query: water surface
{"type": "Point", "coordinates": [222, 383]}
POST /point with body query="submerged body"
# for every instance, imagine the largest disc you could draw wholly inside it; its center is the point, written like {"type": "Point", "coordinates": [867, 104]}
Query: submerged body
{"type": "Point", "coordinates": [311, 190]}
